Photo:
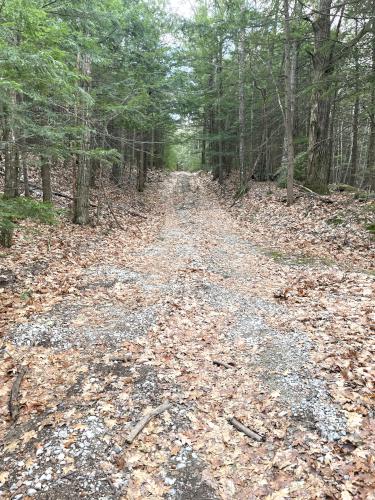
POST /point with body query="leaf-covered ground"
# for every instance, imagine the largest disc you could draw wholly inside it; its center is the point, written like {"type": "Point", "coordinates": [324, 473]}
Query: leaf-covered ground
{"type": "Point", "coordinates": [111, 323]}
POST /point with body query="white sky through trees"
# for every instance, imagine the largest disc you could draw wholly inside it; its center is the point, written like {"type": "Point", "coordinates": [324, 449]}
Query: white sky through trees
{"type": "Point", "coordinates": [184, 8]}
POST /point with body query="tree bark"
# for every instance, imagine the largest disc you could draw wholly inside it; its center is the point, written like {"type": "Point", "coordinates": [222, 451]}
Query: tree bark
{"type": "Point", "coordinates": [354, 151]}
{"type": "Point", "coordinates": [152, 149]}
{"type": "Point", "coordinates": [10, 160]}
{"type": "Point", "coordinates": [370, 166]}
{"type": "Point", "coordinates": [25, 170]}
{"type": "Point", "coordinates": [46, 179]}
{"type": "Point", "coordinates": [219, 84]}
{"type": "Point", "coordinates": [141, 167]}
{"type": "Point", "coordinates": [203, 143]}
{"type": "Point", "coordinates": [318, 150]}
{"type": "Point", "coordinates": [290, 70]}
{"type": "Point", "coordinates": [241, 105]}
{"type": "Point", "coordinates": [117, 172]}
{"type": "Point", "coordinates": [82, 191]}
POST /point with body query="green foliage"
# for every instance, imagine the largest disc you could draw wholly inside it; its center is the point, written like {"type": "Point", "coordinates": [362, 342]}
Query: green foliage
{"type": "Point", "coordinates": [300, 165]}
{"type": "Point", "coordinates": [6, 232]}
{"type": "Point", "coordinates": [21, 208]}
{"type": "Point", "coordinates": [363, 195]}
{"type": "Point", "coordinates": [49, 99]}
{"type": "Point", "coordinates": [16, 209]}
{"type": "Point", "coordinates": [335, 221]}
{"type": "Point", "coordinates": [170, 158]}
{"type": "Point", "coordinates": [26, 295]}
{"type": "Point", "coordinates": [371, 228]}
{"type": "Point", "coordinates": [346, 188]}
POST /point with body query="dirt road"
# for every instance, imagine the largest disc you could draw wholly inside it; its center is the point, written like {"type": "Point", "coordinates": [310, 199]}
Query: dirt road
{"type": "Point", "coordinates": [149, 331]}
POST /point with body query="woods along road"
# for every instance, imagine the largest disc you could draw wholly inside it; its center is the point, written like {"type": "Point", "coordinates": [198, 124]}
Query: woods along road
{"type": "Point", "coordinates": [180, 321]}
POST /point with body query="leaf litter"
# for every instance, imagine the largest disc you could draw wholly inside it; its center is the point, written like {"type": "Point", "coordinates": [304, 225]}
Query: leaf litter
{"type": "Point", "coordinates": [111, 329]}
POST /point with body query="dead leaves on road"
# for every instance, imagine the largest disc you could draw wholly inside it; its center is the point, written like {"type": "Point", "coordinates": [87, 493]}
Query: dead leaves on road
{"type": "Point", "coordinates": [96, 394]}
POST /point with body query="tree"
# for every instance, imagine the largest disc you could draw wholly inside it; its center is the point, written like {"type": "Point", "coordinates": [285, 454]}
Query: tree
{"type": "Point", "coordinates": [290, 68]}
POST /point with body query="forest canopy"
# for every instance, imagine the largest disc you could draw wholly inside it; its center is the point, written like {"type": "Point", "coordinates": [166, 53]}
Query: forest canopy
{"type": "Point", "coordinates": [262, 90]}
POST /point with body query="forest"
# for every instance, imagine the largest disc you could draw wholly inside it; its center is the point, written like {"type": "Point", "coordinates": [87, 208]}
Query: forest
{"type": "Point", "coordinates": [276, 91]}
{"type": "Point", "coordinates": [187, 252]}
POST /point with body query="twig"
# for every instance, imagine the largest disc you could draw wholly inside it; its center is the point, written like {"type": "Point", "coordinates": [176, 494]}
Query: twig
{"type": "Point", "coordinates": [134, 214]}
{"type": "Point", "coordinates": [242, 428]}
{"type": "Point", "coordinates": [119, 225]}
{"type": "Point", "coordinates": [145, 420]}
{"type": "Point", "coordinates": [225, 365]}
{"type": "Point", "coordinates": [34, 187]}
{"type": "Point", "coordinates": [14, 407]}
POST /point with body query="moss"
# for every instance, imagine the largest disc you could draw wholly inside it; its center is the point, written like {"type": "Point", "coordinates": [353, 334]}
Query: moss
{"type": "Point", "coordinates": [297, 260]}
{"type": "Point", "coordinates": [371, 228]}
{"type": "Point", "coordinates": [26, 295]}
{"type": "Point", "coordinates": [275, 254]}
{"type": "Point", "coordinates": [363, 196]}
{"type": "Point", "coordinates": [346, 188]}
{"type": "Point", "coordinates": [335, 221]}
{"type": "Point", "coordinates": [369, 208]}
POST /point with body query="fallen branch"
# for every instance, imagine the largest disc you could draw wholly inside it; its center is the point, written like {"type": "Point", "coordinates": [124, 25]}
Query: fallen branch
{"type": "Point", "coordinates": [34, 188]}
{"type": "Point", "coordinates": [225, 365]}
{"type": "Point", "coordinates": [145, 420]}
{"type": "Point", "coordinates": [242, 428]}
{"type": "Point", "coordinates": [313, 193]}
{"type": "Point", "coordinates": [134, 214]}
{"type": "Point", "coordinates": [119, 225]}
{"type": "Point", "coordinates": [14, 406]}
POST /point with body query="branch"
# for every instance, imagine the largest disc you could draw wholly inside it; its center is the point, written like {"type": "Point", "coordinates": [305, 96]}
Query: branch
{"type": "Point", "coordinates": [225, 365]}
{"type": "Point", "coordinates": [14, 406]}
{"type": "Point", "coordinates": [145, 420]}
{"type": "Point", "coordinates": [119, 225]}
{"type": "Point", "coordinates": [344, 51]}
{"type": "Point", "coordinates": [242, 428]}
{"type": "Point", "coordinates": [34, 187]}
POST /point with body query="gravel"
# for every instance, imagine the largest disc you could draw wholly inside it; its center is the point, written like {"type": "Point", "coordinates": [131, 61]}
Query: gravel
{"type": "Point", "coordinates": [283, 358]}
{"type": "Point", "coordinates": [55, 328]}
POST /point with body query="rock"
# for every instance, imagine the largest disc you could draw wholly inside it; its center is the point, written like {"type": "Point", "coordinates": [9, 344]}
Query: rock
{"type": "Point", "coordinates": [169, 481]}
{"type": "Point", "coordinates": [7, 277]}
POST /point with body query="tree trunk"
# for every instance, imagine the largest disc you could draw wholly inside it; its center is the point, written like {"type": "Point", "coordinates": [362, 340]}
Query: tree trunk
{"type": "Point", "coordinates": [332, 135]}
{"type": "Point", "coordinates": [46, 179]}
{"type": "Point", "coordinates": [203, 143]}
{"type": "Point", "coordinates": [370, 167]}
{"type": "Point", "coordinates": [152, 149]}
{"type": "Point", "coordinates": [10, 160]}
{"type": "Point", "coordinates": [25, 170]}
{"type": "Point", "coordinates": [118, 167]}
{"type": "Point", "coordinates": [241, 105]}
{"type": "Point", "coordinates": [134, 156]}
{"type": "Point", "coordinates": [141, 167]}
{"type": "Point", "coordinates": [354, 152]}
{"type": "Point", "coordinates": [318, 150]}
{"type": "Point", "coordinates": [289, 103]}
{"type": "Point", "coordinates": [94, 162]}
{"type": "Point", "coordinates": [219, 84]}
{"type": "Point", "coordinates": [82, 191]}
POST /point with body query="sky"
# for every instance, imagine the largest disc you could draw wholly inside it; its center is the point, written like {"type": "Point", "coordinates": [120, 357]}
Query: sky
{"type": "Point", "coordinates": [184, 8]}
